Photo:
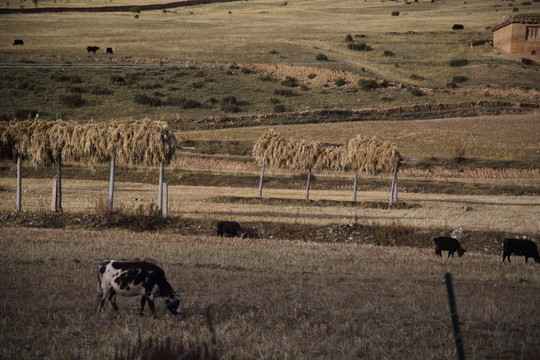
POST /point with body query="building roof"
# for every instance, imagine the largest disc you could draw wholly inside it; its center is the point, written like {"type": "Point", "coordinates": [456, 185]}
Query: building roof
{"type": "Point", "coordinates": [533, 18]}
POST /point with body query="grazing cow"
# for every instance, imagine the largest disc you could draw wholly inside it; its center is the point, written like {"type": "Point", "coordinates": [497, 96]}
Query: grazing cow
{"type": "Point", "coordinates": [457, 27]}
{"type": "Point", "coordinates": [118, 80]}
{"type": "Point", "coordinates": [520, 247]}
{"type": "Point", "coordinates": [228, 228]}
{"type": "Point", "coordinates": [448, 244]}
{"type": "Point", "coordinates": [134, 278]}
{"type": "Point", "coordinates": [18, 42]}
{"type": "Point", "coordinates": [108, 51]}
{"type": "Point", "coordinates": [93, 49]}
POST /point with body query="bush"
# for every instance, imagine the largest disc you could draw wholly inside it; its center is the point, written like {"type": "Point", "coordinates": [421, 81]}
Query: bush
{"type": "Point", "coordinates": [348, 38]}
{"type": "Point", "coordinates": [458, 62]}
{"type": "Point", "coordinates": [312, 76]}
{"type": "Point", "coordinates": [229, 104]}
{"type": "Point", "coordinates": [395, 13]}
{"type": "Point", "coordinates": [71, 100]}
{"type": "Point", "coordinates": [321, 57]}
{"type": "Point", "coordinates": [388, 53]}
{"type": "Point", "coordinates": [185, 103]}
{"type": "Point", "coordinates": [459, 79]}
{"type": "Point", "coordinates": [417, 92]}
{"type": "Point", "coordinates": [135, 9]}
{"type": "Point", "coordinates": [290, 82]}
{"type": "Point", "coordinates": [526, 61]}
{"type": "Point", "coordinates": [340, 82]}
{"type": "Point", "coordinates": [367, 84]}
{"type": "Point", "coordinates": [279, 108]}
{"type": "Point", "coordinates": [359, 47]}
{"type": "Point", "coordinates": [144, 99]}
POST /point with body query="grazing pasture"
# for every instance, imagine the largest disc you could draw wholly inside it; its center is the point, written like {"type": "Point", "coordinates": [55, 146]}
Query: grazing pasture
{"type": "Point", "coordinates": [265, 298]}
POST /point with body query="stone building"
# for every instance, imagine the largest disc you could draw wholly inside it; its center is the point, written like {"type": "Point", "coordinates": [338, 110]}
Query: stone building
{"type": "Point", "coordinates": [519, 35]}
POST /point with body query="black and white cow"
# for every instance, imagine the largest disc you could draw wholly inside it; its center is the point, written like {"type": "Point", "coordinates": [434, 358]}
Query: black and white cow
{"type": "Point", "coordinates": [133, 278]}
{"type": "Point", "coordinates": [520, 247]}
{"type": "Point", "coordinates": [448, 244]}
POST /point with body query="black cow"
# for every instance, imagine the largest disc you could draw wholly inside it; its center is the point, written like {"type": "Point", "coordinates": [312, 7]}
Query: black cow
{"type": "Point", "coordinates": [118, 80]}
{"type": "Point", "coordinates": [448, 244]}
{"type": "Point", "coordinates": [520, 247]}
{"type": "Point", "coordinates": [228, 228]}
{"type": "Point", "coordinates": [135, 278]}
{"type": "Point", "coordinates": [457, 27]}
{"type": "Point", "coordinates": [108, 51]}
{"type": "Point", "coordinates": [18, 42]}
{"type": "Point", "coordinates": [93, 49]}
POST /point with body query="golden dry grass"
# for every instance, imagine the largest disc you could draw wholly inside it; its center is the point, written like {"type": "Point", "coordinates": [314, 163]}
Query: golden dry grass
{"type": "Point", "coordinates": [505, 137]}
{"type": "Point", "coordinates": [495, 213]}
{"type": "Point", "coordinates": [267, 297]}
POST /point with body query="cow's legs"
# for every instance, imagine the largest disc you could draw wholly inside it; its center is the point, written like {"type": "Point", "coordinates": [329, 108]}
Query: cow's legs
{"type": "Point", "coordinates": [112, 299]}
{"type": "Point", "coordinates": [143, 302]}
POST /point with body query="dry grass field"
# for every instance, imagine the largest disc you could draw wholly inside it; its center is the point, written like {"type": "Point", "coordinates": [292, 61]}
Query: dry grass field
{"type": "Point", "coordinates": [324, 278]}
{"type": "Point", "coordinates": [265, 298]}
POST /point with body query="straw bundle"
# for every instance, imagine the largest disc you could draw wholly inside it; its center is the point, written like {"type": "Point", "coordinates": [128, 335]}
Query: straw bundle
{"type": "Point", "coordinates": [271, 149]}
{"type": "Point", "coordinates": [371, 155]}
{"type": "Point", "coordinates": [143, 142]}
{"type": "Point", "coordinates": [331, 158]}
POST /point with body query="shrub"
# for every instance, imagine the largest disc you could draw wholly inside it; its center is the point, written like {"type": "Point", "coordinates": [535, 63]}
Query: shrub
{"type": "Point", "coordinates": [71, 100]}
{"type": "Point", "coordinates": [229, 104]}
{"type": "Point", "coordinates": [312, 76]}
{"type": "Point", "coordinates": [266, 78]}
{"type": "Point", "coordinates": [186, 103]}
{"type": "Point", "coordinates": [458, 62]}
{"type": "Point", "coordinates": [144, 99]}
{"type": "Point", "coordinates": [279, 108]}
{"type": "Point", "coordinates": [388, 53]}
{"type": "Point", "coordinates": [246, 71]}
{"type": "Point", "coordinates": [526, 61]}
{"type": "Point", "coordinates": [340, 82]}
{"type": "Point", "coordinates": [290, 82]}
{"type": "Point", "coordinates": [321, 57]}
{"type": "Point", "coordinates": [459, 79]}
{"type": "Point", "coordinates": [283, 92]}
{"type": "Point", "coordinates": [416, 77]}
{"type": "Point", "coordinates": [348, 38]}
{"type": "Point", "coordinates": [417, 92]}
{"type": "Point", "coordinates": [367, 84]}
{"type": "Point", "coordinates": [359, 47]}
{"type": "Point", "coordinates": [229, 72]}
{"type": "Point", "coordinates": [395, 13]}
{"type": "Point", "coordinates": [135, 9]}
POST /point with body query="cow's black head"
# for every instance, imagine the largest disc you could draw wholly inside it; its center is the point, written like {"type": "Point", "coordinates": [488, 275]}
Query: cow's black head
{"type": "Point", "coordinates": [174, 303]}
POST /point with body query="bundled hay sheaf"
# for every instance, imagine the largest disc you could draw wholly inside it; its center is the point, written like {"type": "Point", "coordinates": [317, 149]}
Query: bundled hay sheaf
{"type": "Point", "coordinates": [143, 142]}
{"type": "Point", "coordinates": [360, 153]}
{"type": "Point", "coordinates": [372, 156]}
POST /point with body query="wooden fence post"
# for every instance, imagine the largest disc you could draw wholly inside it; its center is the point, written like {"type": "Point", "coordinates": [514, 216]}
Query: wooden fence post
{"type": "Point", "coordinates": [308, 182]}
{"type": "Point", "coordinates": [58, 207]}
{"type": "Point", "coordinates": [355, 189]}
{"type": "Point", "coordinates": [19, 183]}
{"type": "Point", "coordinates": [393, 189]}
{"type": "Point", "coordinates": [165, 210]}
{"type": "Point", "coordinates": [111, 186]}
{"type": "Point", "coordinates": [453, 314]}
{"type": "Point", "coordinates": [261, 180]}
{"type": "Point", "coordinates": [160, 189]}
{"type": "Point", "coordinates": [53, 203]}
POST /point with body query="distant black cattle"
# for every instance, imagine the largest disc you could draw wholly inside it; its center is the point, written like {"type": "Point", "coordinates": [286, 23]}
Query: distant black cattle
{"type": "Point", "coordinates": [457, 27]}
{"type": "Point", "coordinates": [520, 247]}
{"type": "Point", "coordinates": [18, 42]}
{"type": "Point", "coordinates": [448, 244]}
{"type": "Point", "coordinates": [118, 80]}
{"type": "Point", "coordinates": [92, 49]}
{"type": "Point", "coordinates": [108, 51]}
{"type": "Point", "coordinates": [228, 228]}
